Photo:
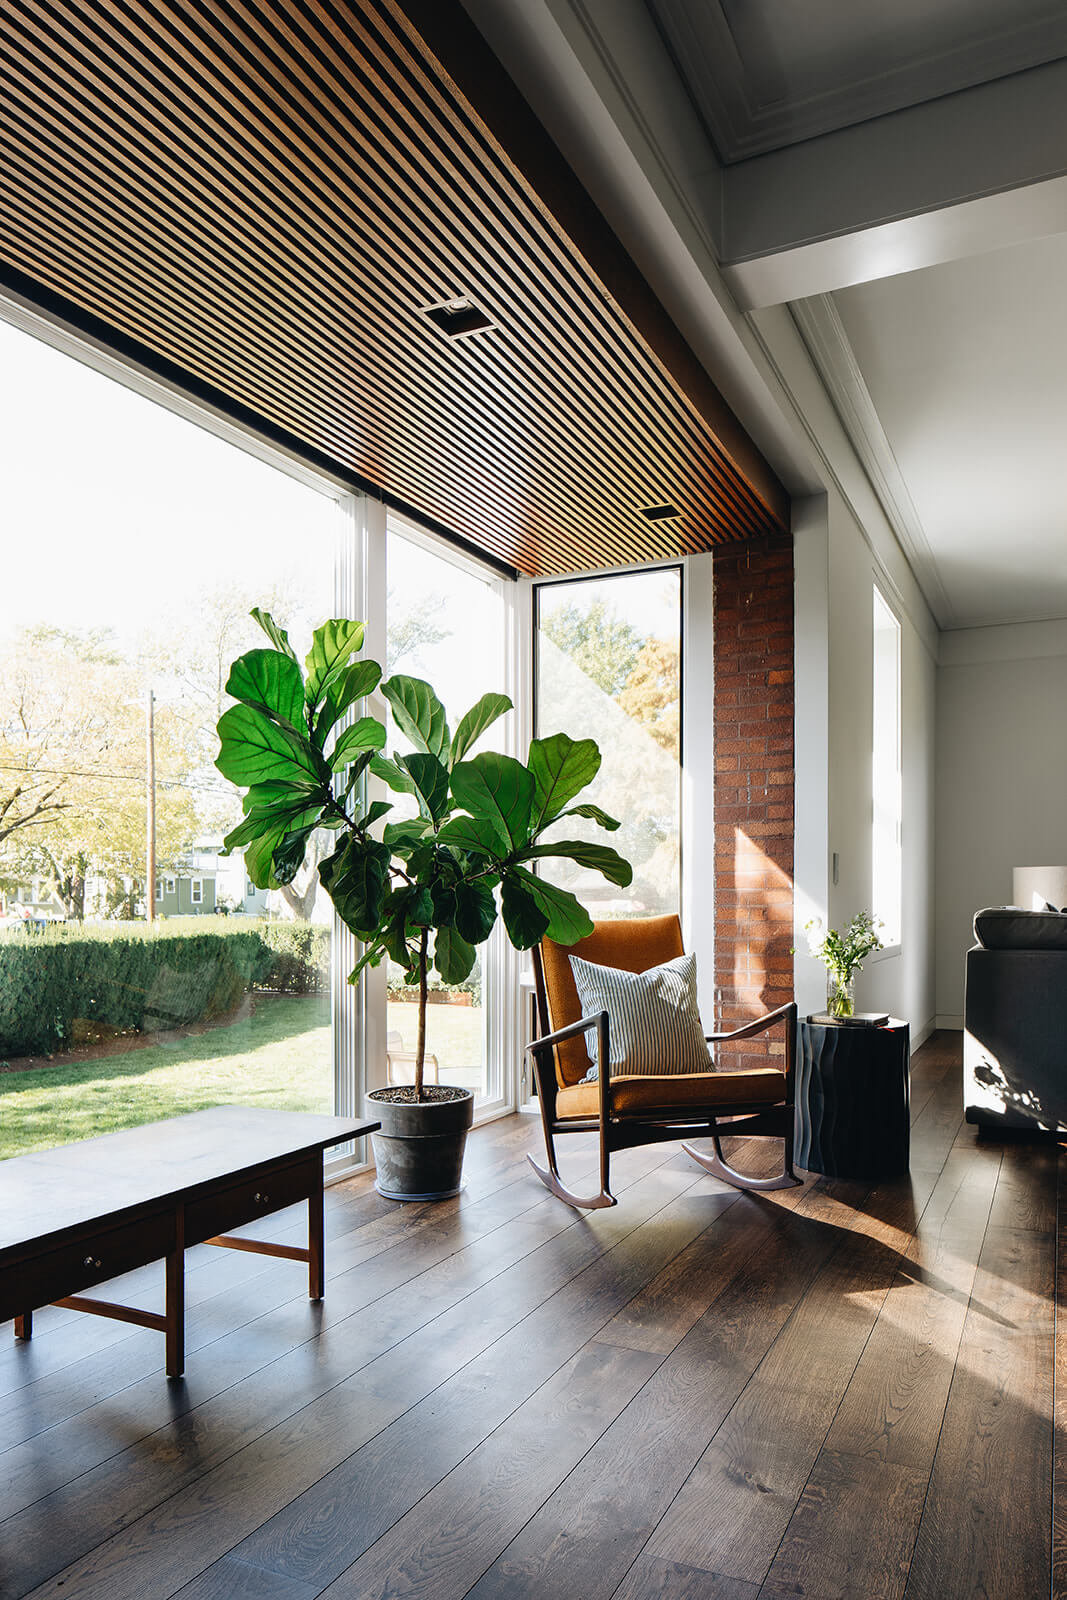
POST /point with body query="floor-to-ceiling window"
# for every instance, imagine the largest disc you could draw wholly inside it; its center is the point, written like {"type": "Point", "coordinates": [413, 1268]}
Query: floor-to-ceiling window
{"type": "Point", "coordinates": [135, 545]}
{"type": "Point", "coordinates": [608, 667]}
{"type": "Point", "coordinates": [446, 623]}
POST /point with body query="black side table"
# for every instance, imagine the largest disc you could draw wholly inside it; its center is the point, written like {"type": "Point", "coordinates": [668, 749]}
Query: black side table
{"type": "Point", "coordinates": [852, 1099]}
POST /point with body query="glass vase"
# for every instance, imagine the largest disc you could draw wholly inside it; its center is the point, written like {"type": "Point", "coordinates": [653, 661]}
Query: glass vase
{"type": "Point", "coordinates": [841, 995]}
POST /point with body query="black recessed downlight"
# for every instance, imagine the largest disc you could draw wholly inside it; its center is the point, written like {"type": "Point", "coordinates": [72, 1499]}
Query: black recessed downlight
{"type": "Point", "coordinates": [660, 513]}
{"type": "Point", "coordinates": [458, 317]}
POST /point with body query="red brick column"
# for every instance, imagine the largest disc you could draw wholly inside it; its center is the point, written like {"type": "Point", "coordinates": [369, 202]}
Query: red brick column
{"type": "Point", "coordinates": [753, 614]}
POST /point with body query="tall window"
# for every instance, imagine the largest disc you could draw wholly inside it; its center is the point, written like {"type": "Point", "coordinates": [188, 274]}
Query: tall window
{"type": "Point", "coordinates": [885, 773]}
{"type": "Point", "coordinates": [136, 545]}
{"type": "Point", "coordinates": [609, 669]}
{"type": "Point", "coordinates": [446, 624]}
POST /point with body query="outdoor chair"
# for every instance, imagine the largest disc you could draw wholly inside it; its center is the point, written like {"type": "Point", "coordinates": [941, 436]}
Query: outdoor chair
{"type": "Point", "coordinates": [400, 1063]}
{"type": "Point", "coordinates": [626, 1108]}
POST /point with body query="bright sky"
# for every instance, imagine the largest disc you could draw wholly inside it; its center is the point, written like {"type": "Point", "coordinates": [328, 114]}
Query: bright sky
{"type": "Point", "coordinates": [117, 513]}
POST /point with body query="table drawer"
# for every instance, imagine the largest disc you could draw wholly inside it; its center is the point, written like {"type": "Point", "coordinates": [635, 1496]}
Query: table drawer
{"type": "Point", "coordinates": [92, 1258]}
{"type": "Point", "coordinates": [237, 1203]}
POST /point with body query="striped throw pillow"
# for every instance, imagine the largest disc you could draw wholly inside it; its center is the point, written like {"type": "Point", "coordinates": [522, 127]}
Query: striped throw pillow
{"type": "Point", "coordinates": [653, 1023]}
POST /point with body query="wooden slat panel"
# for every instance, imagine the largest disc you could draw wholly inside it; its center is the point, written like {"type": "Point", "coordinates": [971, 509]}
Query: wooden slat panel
{"type": "Point", "coordinates": [259, 198]}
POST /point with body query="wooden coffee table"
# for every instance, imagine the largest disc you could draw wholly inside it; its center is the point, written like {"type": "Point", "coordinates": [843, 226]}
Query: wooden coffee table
{"type": "Point", "coordinates": [83, 1213]}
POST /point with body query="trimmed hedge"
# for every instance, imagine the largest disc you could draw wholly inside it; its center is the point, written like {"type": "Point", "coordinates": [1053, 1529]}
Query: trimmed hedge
{"type": "Point", "coordinates": [128, 977]}
{"type": "Point", "coordinates": [299, 958]}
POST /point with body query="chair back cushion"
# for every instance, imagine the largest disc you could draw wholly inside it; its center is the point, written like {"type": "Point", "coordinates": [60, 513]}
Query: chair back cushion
{"type": "Point", "coordinates": [632, 944]}
{"type": "Point", "coordinates": [653, 1023]}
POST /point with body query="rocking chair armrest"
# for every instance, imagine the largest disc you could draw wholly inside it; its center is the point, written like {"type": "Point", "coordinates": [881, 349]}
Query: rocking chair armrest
{"type": "Point", "coordinates": [548, 1041]}
{"type": "Point", "coordinates": [761, 1023]}
{"type": "Point", "coordinates": [539, 1049]}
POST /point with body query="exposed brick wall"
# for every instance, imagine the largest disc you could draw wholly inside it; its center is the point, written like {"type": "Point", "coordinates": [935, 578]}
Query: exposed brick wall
{"type": "Point", "coordinates": [753, 614]}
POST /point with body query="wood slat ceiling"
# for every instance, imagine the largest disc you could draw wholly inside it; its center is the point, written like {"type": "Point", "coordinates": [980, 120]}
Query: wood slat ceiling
{"type": "Point", "coordinates": [261, 199]}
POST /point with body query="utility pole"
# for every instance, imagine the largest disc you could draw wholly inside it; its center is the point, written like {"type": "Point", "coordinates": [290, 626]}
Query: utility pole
{"type": "Point", "coordinates": [150, 785]}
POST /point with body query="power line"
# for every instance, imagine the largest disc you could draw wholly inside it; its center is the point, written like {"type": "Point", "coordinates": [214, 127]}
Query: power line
{"type": "Point", "coordinates": [125, 777]}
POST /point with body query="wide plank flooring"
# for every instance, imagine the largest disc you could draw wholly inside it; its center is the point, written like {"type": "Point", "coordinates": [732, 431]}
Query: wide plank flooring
{"type": "Point", "coordinates": [841, 1390]}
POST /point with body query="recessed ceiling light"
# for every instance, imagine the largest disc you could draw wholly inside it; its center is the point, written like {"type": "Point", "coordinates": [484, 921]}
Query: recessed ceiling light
{"type": "Point", "coordinates": [457, 317]}
{"type": "Point", "coordinates": [662, 513]}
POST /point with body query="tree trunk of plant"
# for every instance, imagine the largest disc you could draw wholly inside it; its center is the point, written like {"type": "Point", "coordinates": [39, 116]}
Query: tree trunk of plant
{"type": "Point", "coordinates": [420, 1040]}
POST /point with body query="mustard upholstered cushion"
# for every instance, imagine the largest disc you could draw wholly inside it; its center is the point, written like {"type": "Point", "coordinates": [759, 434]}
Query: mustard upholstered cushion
{"type": "Point", "coordinates": [630, 943]}
{"type": "Point", "coordinates": [653, 1022]}
{"type": "Point", "coordinates": [644, 1096]}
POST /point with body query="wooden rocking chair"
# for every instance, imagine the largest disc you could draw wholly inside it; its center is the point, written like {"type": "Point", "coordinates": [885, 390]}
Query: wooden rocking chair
{"type": "Point", "coordinates": [627, 1110]}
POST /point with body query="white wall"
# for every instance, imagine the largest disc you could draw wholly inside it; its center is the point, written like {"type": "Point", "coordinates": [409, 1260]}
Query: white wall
{"type": "Point", "coordinates": [843, 544]}
{"type": "Point", "coordinates": [1001, 778]}
{"type": "Point", "coordinates": [901, 982]}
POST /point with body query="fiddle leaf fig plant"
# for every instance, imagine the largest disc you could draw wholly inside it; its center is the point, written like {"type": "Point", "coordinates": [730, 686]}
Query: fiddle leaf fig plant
{"type": "Point", "coordinates": [424, 890]}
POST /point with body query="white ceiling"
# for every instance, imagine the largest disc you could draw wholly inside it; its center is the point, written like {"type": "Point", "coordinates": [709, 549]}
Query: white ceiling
{"type": "Point", "coordinates": [896, 175]}
{"type": "Point", "coordinates": [764, 75]}
{"type": "Point", "coordinates": [966, 366]}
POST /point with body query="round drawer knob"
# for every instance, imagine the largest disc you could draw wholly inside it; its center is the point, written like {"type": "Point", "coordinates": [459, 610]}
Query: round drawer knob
{"type": "Point", "coordinates": [91, 1261]}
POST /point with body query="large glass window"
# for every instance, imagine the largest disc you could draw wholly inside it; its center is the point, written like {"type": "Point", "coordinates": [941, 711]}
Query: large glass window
{"type": "Point", "coordinates": [886, 860]}
{"type": "Point", "coordinates": [136, 544]}
{"type": "Point", "coordinates": [446, 624]}
{"type": "Point", "coordinates": [609, 668]}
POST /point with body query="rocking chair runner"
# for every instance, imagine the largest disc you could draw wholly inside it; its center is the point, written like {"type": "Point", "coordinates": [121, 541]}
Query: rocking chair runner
{"type": "Point", "coordinates": [627, 1110]}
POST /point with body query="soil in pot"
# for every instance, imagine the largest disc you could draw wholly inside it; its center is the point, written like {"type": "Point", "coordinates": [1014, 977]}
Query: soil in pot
{"type": "Point", "coordinates": [418, 1151]}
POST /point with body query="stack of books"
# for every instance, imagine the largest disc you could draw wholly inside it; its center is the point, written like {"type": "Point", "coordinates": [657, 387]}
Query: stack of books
{"type": "Point", "coordinates": [859, 1019]}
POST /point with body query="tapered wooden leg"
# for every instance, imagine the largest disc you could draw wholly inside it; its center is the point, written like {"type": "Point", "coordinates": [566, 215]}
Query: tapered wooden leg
{"type": "Point", "coordinates": [316, 1243]}
{"type": "Point", "coordinates": [175, 1302]}
{"type": "Point", "coordinates": [24, 1326]}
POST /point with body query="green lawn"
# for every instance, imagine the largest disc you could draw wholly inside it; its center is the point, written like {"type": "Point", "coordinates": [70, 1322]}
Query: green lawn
{"type": "Point", "coordinates": [278, 1055]}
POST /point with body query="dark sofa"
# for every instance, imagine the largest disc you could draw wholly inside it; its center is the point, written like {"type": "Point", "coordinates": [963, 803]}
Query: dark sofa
{"type": "Point", "coordinates": [1015, 1021]}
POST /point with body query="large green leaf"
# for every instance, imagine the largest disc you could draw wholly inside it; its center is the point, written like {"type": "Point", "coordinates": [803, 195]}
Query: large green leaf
{"type": "Point", "coordinates": [567, 920]}
{"type": "Point", "coordinates": [474, 724]}
{"type": "Point", "coordinates": [561, 768]}
{"type": "Point", "coordinates": [594, 813]}
{"type": "Point", "coordinates": [453, 956]}
{"type": "Point", "coordinates": [499, 789]}
{"type": "Point", "coordinates": [256, 750]}
{"type": "Point", "coordinates": [332, 647]}
{"type": "Point", "coordinates": [354, 683]}
{"type": "Point", "coordinates": [477, 836]}
{"type": "Point", "coordinates": [355, 877]}
{"type": "Point", "coordinates": [418, 714]}
{"type": "Point", "coordinates": [374, 813]}
{"type": "Point", "coordinates": [270, 680]}
{"type": "Point", "coordinates": [601, 857]}
{"type": "Point", "coordinates": [475, 911]}
{"type": "Point", "coordinates": [431, 782]}
{"type": "Point", "coordinates": [277, 636]}
{"type": "Point", "coordinates": [289, 854]}
{"type": "Point", "coordinates": [366, 734]}
{"type": "Point", "coordinates": [392, 774]}
{"type": "Point", "coordinates": [263, 820]}
{"type": "Point", "coordinates": [271, 794]}
{"type": "Point", "coordinates": [525, 921]}
{"type": "Point", "coordinates": [411, 831]}
{"type": "Point", "coordinates": [259, 857]}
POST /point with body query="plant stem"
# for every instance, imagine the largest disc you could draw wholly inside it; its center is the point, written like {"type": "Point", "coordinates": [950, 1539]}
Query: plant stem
{"type": "Point", "coordinates": [420, 1041]}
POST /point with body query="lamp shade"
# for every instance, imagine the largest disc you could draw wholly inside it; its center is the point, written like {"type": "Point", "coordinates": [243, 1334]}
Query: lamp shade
{"type": "Point", "coordinates": [1035, 887]}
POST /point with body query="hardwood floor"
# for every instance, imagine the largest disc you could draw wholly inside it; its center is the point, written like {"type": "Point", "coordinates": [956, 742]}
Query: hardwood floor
{"type": "Point", "coordinates": [837, 1390]}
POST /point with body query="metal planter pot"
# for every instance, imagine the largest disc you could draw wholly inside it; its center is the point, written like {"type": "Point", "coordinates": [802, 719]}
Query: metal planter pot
{"type": "Point", "coordinates": [418, 1152]}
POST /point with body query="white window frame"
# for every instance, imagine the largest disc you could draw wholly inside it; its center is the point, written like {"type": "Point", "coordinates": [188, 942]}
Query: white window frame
{"type": "Point", "coordinates": [159, 888]}
{"type": "Point", "coordinates": [354, 512]}
{"type": "Point", "coordinates": [696, 767]}
{"type": "Point", "coordinates": [170, 885]}
{"type": "Point", "coordinates": [196, 891]}
{"type": "Point", "coordinates": [504, 1039]}
{"type": "Point", "coordinates": [887, 787]}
